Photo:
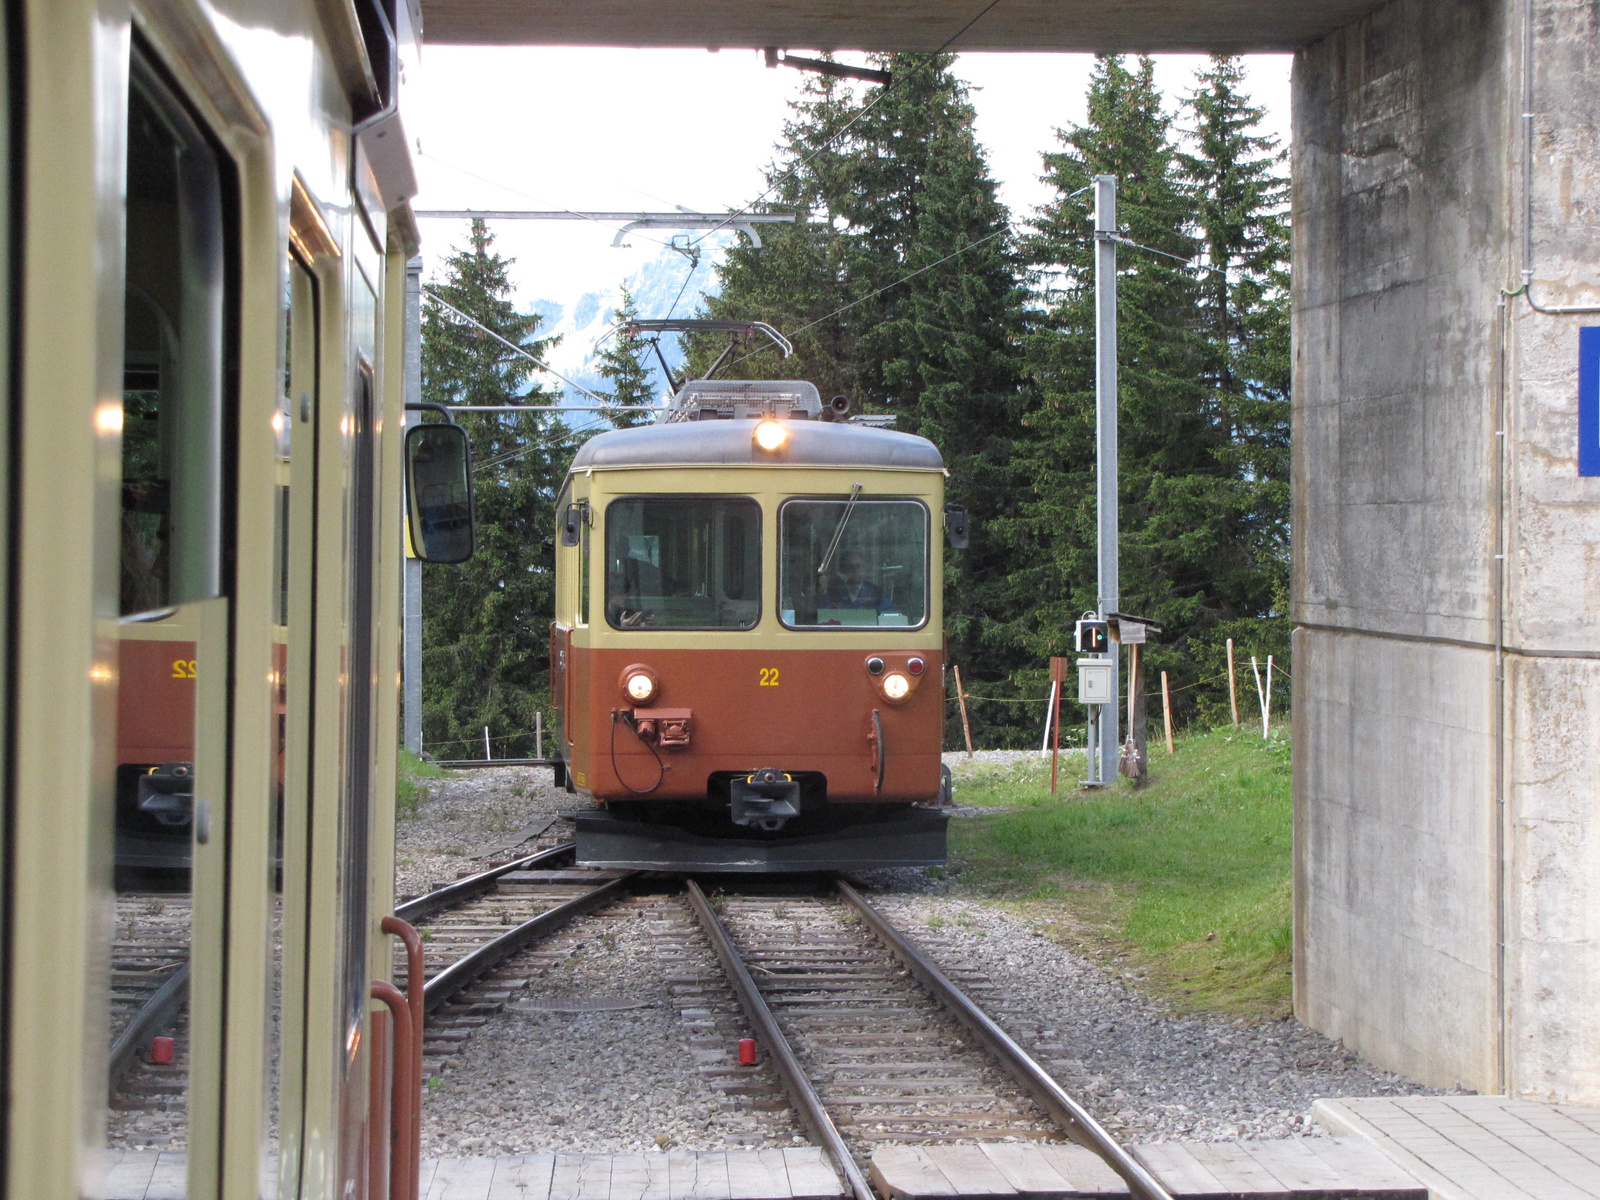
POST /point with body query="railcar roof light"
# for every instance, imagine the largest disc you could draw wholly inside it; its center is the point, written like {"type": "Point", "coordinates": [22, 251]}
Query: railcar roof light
{"type": "Point", "coordinates": [770, 434]}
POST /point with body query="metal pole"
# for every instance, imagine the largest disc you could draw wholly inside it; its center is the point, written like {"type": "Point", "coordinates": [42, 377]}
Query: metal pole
{"type": "Point", "coordinates": [1105, 411]}
{"type": "Point", "coordinates": [411, 624]}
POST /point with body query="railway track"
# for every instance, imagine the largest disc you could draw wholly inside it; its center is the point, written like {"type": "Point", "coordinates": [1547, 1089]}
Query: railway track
{"type": "Point", "coordinates": [875, 1044]}
{"type": "Point", "coordinates": [149, 991]}
{"type": "Point", "coordinates": [867, 1042]}
{"type": "Point", "coordinates": [476, 932]}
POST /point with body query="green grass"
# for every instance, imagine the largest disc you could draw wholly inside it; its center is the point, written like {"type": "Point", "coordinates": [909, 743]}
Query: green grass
{"type": "Point", "coordinates": [1188, 877]}
{"type": "Point", "coordinates": [409, 793]}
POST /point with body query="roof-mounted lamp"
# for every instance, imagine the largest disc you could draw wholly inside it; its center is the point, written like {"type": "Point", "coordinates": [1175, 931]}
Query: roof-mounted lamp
{"type": "Point", "coordinates": [770, 434]}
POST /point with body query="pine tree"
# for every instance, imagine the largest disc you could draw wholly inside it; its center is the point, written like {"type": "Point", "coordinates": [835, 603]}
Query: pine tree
{"type": "Point", "coordinates": [632, 392]}
{"type": "Point", "coordinates": [1174, 482]}
{"type": "Point", "coordinates": [798, 280]}
{"type": "Point", "coordinates": [901, 291]}
{"type": "Point", "coordinates": [1235, 174]}
{"type": "Point", "coordinates": [940, 320]}
{"type": "Point", "coordinates": [485, 622]}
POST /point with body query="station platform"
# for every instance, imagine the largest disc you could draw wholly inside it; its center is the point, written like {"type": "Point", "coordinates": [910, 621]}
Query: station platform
{"type": "Point", "coordinates": [1479, 1147]}
{"type": "Point", "coordinates": [1405, 1148]}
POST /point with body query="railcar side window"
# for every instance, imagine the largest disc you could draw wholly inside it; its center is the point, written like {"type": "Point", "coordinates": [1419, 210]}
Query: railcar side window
{"type": "Point", "coordinates": [173, 367]}
{"type": "Point", "coordinates": [850, 564]}
{"type": "Point", "coordinates": [683, 562]}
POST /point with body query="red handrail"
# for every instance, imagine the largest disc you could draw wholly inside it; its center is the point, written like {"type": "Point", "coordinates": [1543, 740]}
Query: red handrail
{"type": "Point", "coordinates": [405, 1117]}
{"type": "Point", "coordinates": [380, 1086]}
{"type": "Point", "coordinates": [413, 1080]}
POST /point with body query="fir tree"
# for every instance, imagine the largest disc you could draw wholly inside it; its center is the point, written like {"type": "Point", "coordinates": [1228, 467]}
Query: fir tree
{"type": "Point", "coordinates": [1174, 483]}
{"type": "Point", "coordinates": [901, 291]}
{"type": "Point", "coordinates": [799, 279]}
{"type": "Point", "coordinates": [485, 622]}
{"type": "Point", "coordinates": [1240, 195]}
{"type": "Point", "coordinates": [940, 318]}
{"type": "Point", "coordinates": [631, 393]}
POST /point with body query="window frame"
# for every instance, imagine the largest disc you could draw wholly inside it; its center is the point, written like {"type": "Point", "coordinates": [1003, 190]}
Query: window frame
{"type": "Point", "coordinates": [927, 563]}
{"type": "Point", "coordinates": [729, 497]}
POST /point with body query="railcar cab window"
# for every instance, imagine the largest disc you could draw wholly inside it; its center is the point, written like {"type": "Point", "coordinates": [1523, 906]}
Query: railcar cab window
{"type": "Point", "coordinates": [853, 563]}
{"type": "Point", "coordinates": [683, 562]}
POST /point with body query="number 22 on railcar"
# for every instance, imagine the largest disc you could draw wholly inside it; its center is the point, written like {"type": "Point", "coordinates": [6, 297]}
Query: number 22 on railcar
{"type": "Point", "coordinates": [748, 650]}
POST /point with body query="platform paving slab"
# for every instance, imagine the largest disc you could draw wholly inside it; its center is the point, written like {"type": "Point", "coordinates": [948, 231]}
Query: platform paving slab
{"type": "Point", "coordinates": [793, 1173]}
{"type": "Point", "coordinates": [1480, 1147]}
{"type": "Point", "coordinates": [1287, 1169]}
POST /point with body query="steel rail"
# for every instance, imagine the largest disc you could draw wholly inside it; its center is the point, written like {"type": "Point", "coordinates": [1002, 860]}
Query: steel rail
{"type": "Point", "coordinates": [155, 1012]}
{"type": "Point", "coordinates": [452, 894]}
{"type": "Point", "coordinates": [1079, 1125]}
{"type": "Point", "coordinates": [469, 967]}
{"type": "Point", "coordinates": [790, 1073]}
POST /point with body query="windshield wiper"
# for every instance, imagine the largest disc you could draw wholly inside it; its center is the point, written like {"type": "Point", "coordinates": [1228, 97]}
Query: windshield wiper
{"type": "Point", "coordinates": [849, 507]}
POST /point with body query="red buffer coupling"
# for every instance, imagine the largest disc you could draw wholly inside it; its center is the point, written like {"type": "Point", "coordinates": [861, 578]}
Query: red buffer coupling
{"type": "Point", "coordinates": [747, 1052]}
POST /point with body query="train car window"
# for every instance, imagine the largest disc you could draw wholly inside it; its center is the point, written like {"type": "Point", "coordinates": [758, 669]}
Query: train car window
{"type": "Point", "coordinates": [683, 562]}
{"type": "Point", "coordinates": [173, 357]}
{"type": "Point", "coordinates": [171, 791]}
{"type": "Point", "coordinates": [582, 617]}
{"type": "Point", "coordinates": [877, 574]}
{"type": "Point", "coordinates": [354, 811]}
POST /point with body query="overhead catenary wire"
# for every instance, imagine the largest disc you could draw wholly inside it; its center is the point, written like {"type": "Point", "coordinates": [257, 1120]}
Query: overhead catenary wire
{"type": "Point", "coordinates": [512, 346]}
{"type": "Point", "coordinates": [909, 275]}
{"type": "Point", "coordinates": [542, 200]}
{"type": "Point", "coordinates": [843, 129]}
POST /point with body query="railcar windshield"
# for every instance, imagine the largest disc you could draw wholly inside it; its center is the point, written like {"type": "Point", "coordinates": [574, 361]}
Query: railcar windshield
{"type": "Point", "coordinates": [683, 562]}
{"type": "Point", "coordinates": [853, 563]}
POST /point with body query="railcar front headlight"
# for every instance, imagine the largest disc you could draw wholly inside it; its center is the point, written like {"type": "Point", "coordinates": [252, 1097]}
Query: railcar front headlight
{"type": "Point", "coordinates": [771, 434]}
{"type": "Point", "coordinates": [640, 684]}
{"type": "Point", "coordinates": [896, 686]}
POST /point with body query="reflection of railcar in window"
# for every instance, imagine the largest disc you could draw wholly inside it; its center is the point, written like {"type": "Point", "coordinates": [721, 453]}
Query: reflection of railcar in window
{"type": "Point", "coordinates": [759, 683]}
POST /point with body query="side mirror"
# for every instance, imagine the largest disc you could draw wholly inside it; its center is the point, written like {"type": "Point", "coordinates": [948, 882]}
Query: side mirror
{"type": "Point", "coordinates": [955, 525]}
{"type": "Point", "coordinates": [572, 519]}
{"type": "Point", "coordinates": [439, 493]}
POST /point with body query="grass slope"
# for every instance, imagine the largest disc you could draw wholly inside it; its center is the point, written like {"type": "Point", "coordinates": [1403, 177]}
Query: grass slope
{"type": "Point", "coordinates": [1188, 877]}
{"type": "Point", "coordinates": [409, 792]}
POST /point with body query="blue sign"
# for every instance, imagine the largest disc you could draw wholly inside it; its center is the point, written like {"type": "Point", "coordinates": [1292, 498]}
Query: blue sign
{"type": "Point", "coordinates": [1589, 400]}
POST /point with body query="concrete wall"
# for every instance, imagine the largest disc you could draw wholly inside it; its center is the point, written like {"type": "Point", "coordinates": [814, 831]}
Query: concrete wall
{"type": "Point", "coordinates": [1408, 207]}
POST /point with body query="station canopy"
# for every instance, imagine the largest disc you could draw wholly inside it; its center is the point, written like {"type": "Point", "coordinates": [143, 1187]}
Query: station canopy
{"type": "Point", "coordinates": [1216, 26]}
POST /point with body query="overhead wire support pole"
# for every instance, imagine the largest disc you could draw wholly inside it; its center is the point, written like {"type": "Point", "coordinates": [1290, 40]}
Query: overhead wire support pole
{"type": "Point", "coordinates": [1105, 420]}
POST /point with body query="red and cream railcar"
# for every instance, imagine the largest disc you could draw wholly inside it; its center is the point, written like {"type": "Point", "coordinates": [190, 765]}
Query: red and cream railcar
{"type": "Point", "coordinates": [748, 647]}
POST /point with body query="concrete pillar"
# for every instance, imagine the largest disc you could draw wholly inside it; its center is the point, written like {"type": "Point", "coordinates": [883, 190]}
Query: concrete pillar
{"type": "Point", "coordinates": [1447, 760]}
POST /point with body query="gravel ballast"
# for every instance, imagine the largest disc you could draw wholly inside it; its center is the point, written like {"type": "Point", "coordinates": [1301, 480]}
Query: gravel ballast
{"type": "Point", "coordinates": [627, 1081]}
{"type": "Point", "coordinates": [1145, 1072]}
{"type": "Point", "coordinates": [464, 813]}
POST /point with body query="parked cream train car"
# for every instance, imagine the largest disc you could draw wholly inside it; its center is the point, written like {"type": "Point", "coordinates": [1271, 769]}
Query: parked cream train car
{"type": "Point", "coordinates": [205, 234]}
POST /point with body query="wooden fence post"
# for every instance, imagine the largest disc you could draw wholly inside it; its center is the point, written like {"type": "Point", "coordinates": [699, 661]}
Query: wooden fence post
{"type": "Point", "coordinates": [1166, 709]}
{"type": "Point", "coordinates": [966, 729]}
{"type": "Point", "coordinates": [1055, 733]}
{"type": "Point", "coordinates": [1233, 687]}
{"type": "Point", "coordinates": [1266, 710]}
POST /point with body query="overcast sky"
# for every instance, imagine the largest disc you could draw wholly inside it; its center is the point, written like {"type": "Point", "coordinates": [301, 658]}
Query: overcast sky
{"type": "Point", "coordinates": [627, 130]}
